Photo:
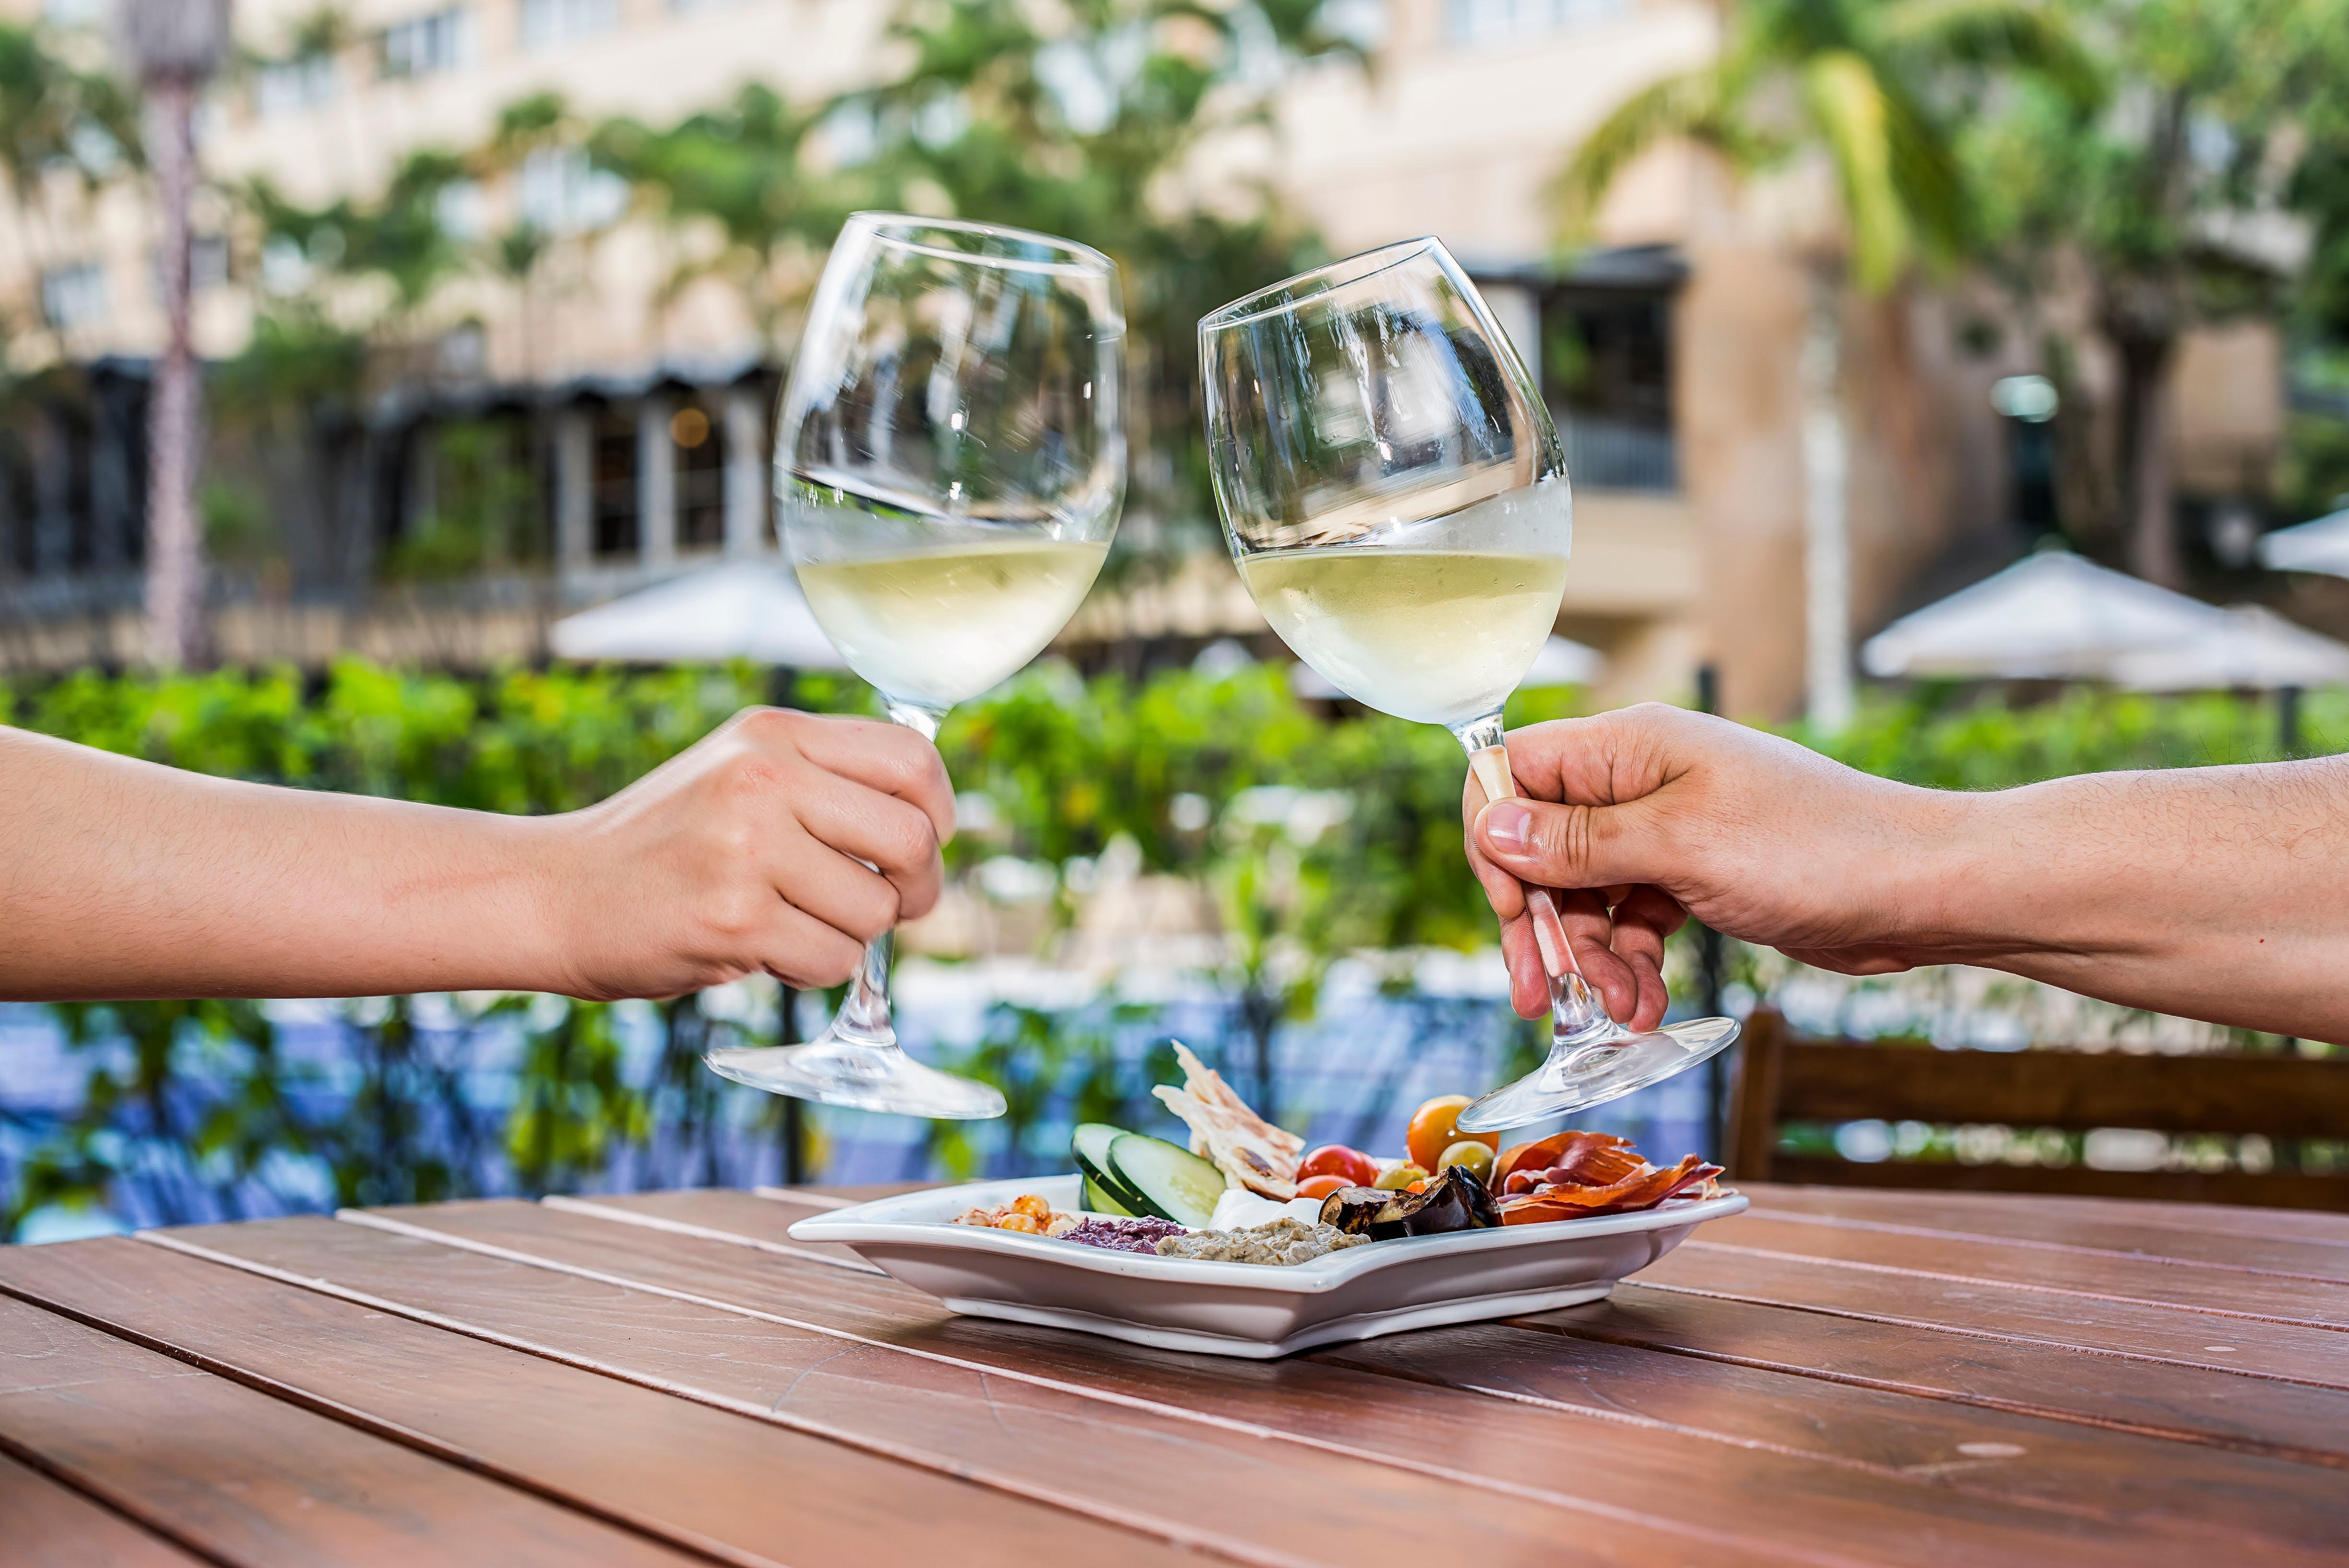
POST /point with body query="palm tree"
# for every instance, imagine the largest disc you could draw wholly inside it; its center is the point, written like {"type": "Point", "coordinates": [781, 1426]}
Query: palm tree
{"type": "Point", "coordinates": [1870, 89]}
{"type": "Point", "coordinates": [174, 48]}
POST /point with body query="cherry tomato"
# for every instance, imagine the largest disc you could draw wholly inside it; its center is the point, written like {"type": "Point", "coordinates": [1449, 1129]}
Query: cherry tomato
{"type": "Point", "coordinates": [1322, 1186]}
{"type": "Point", "coordinates": [1336, 1159]}
{"type": "Point", "coordinates": [1434, 1127]}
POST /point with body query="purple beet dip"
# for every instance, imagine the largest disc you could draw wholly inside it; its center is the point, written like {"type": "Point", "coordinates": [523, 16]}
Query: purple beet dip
{"type": "Point", "coordinates": [1119, 1235]}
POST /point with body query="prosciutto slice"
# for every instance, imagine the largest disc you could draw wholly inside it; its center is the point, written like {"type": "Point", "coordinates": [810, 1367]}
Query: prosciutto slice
{"type": "Point", "coordinates": [1574, 1174]}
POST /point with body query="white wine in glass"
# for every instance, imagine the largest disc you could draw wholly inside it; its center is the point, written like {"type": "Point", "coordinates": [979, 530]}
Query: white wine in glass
{"type": "Point", "coordinates": [949, 467]}
{"type": "Point", "coordinates": [1396, 499]}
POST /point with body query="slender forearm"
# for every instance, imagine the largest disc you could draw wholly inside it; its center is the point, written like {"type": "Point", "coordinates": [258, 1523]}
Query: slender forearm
{"type": "Point", "coordinates": [2215, 893]}
{"type": "Point", "coordinates": [120, 879]}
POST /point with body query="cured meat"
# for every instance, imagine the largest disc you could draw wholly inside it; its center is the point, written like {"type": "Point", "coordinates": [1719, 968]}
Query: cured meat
{"type": "Point", "coordinates": [1252, 1152]}
{"type": "Point", "coordinates": [1574, 1174]}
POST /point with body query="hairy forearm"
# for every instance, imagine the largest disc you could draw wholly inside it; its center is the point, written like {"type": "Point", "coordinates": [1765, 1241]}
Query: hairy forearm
{"type": "Point", "coordinates": [2216, 893]}
{"type": "Point", "coordinates": [122, 880]}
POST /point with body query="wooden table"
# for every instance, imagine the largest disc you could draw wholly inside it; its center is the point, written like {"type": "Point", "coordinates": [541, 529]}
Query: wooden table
{"type": "Point", "coordinates": [1835, 1378]}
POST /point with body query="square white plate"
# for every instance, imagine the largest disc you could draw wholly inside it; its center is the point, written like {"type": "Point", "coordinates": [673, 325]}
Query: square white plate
{"type": "Point", "coordinates": [1248, 1309]}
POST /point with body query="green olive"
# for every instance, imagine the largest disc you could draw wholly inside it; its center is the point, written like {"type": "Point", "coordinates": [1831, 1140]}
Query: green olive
{"type": "Point", "coordinates": [1401, 1177]}
{"type": "Point", "coordinates": [1474, 1158]}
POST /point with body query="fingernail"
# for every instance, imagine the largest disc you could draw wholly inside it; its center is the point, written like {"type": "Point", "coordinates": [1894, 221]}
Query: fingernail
{"type": "Point", "coordinates": [1509, 827]}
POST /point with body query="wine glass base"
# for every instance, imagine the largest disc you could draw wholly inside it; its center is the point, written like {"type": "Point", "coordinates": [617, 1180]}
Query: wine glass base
{"type": "Point", "coordinates": [1605, 1065]}
{"type": "Point", "coordinates": [859, 1076]}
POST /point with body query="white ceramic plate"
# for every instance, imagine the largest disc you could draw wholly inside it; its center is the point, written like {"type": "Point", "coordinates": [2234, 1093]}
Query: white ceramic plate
{"type": "Point", "coordinates": [1248, 1309]}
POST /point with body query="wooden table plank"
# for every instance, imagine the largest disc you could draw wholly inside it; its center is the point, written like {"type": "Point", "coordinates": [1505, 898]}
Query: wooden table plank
{"type": "Point", "coordinates": [2233, 1293]}
{"type": "Point", "coordinates": [1312, 1502]}
{"type": "Point", "coordinates": [50, 1525]}
{"type": "Point", "coordinates": [2181, 1404]}
{"type": "Point", "coordinates": [1852, 1509]}
{"type": "Point", "coordinates": [662, 1466]}
{"type": "Point", "coordinates": [2025, 1221]}
{"type": "Point", "coordinates": [2050, 1463]}
{"type": "Point", "coordinates": [2307, 1226]}
{"type": "Point", "coordinates": [247, 1479]}
{"type": "Point", "coordinates": [1978, 1309]}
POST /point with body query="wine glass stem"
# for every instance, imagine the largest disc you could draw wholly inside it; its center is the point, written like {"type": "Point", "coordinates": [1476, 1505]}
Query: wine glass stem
{"type": "Point", "coordinates": [864, 1016]}
{"type": "Point", "coordinates": [1576, 1012]}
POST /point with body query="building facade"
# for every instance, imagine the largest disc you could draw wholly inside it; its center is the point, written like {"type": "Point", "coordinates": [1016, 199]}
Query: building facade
{"type": "Point", "coordinates": [639, 412]}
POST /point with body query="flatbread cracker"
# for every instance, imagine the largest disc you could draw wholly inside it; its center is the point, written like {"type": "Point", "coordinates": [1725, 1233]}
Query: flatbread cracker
{"type": "Point", "coordinates": [1245, 1148]}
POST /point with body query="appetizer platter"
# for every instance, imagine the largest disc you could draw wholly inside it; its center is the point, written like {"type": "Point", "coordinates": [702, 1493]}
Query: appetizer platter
{"type": "Point", "coordinates": [1246, 1243]}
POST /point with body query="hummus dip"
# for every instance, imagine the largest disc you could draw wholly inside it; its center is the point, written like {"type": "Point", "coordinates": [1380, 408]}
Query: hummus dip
{"type": "Point", "coordinates": [1285, 1240]}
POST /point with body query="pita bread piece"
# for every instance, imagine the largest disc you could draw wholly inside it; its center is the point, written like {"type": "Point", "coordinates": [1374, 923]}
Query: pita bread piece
{"type": "Point", "coordinates": [1245, 1148]}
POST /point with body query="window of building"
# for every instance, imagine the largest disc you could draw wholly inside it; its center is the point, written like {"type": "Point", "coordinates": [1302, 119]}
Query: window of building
{"type": "Point", "coordinates": [548, 23]}
{"type": "Point", "coordinates": [294, 86]}
{"type": "Point", "coordinates": [436, 41]}
{"type": "Point", "coordinates": [1476, 22]}
{"type": "Point", "coordinates": [700, 439]}
{"type": "Point", "coordinates": [1606, 373]}
{"type": "Point", "coordinates": [207, 265]}
{"type": "Point", "coordinates": [614, 525]}
{"type": "Point", "coordinates": [74, 296]}
{"type": "Point", "coordinates": [561, 191]}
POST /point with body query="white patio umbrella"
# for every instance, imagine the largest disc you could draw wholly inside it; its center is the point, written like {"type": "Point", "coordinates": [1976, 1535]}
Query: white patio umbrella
{"type": "Point", "coordinates": [2322, 545]}
{"type": "Point", "coordinates": [2049, 616]}
{"type": "Point", "coordinates": [1562, 661]}
{"type": "Point", "coordinates": [2254, 649]}
{"type": "Point", "coordinates": [739, 609]}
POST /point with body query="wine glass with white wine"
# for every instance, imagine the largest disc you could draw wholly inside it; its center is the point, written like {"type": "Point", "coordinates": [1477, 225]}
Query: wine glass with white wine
{"type": "Point", "coordinates": [949, 465]}
{"type": "Point", "coordinates": [1396, 498]}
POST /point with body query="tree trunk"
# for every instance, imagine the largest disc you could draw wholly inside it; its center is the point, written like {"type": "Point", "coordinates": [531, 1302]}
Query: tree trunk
{"type": "Point", "coordinates": [2148, 480]}
{"type": "Point", "coordinates": [1827, 520]}
{"type": "Point", "coordinates": [175, 574]}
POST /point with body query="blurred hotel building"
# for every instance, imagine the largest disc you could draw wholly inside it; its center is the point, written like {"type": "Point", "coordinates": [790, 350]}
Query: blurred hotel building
{"type": "Point", "coordinates": [1669, 352]}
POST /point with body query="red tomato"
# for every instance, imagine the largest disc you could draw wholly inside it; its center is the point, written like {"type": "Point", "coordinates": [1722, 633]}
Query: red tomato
{"type": "Point", "coordinates": [1336, 1159]}
{"type": "Point", "coordinates": [1320, 1186]}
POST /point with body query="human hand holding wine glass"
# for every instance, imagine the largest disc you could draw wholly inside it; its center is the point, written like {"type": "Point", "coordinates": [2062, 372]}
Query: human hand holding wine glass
{"type": "Point", "coordinates": [949, 464]}
{"type": "Point", "coordinates": [1396, 499]}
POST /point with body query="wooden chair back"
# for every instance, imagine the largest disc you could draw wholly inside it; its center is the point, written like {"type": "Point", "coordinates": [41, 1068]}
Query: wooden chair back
{"type": "Point", "coordinates": [1782, 1078]}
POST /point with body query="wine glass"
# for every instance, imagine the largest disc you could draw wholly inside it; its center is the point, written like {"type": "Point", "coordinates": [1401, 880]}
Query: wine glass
{"type": "Point", "coordinates": [949, 465]}
{"type": "Point", "coordinates": [1396, 499]}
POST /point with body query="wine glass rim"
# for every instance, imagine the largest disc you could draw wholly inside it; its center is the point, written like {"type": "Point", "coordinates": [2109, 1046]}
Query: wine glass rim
{"type": "Point", "coordinates": [1344, 273]}
{"type": "Point", "coordinates": [896, 230]}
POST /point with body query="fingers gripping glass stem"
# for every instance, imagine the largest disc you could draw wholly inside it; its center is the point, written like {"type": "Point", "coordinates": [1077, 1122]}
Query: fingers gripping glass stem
{"type": "Point", "coordinates": [1575, 1008]}
{"type": "Point", "coordinates": [1592, 1058]}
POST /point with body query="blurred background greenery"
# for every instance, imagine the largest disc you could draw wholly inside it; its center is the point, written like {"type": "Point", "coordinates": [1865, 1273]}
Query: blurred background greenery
{"type": "Point", "coordinates": [187, 1109]}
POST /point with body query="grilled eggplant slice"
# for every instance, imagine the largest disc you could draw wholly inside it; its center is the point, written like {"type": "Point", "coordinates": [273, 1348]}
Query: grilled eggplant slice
{"type": "Point", "coordinates": [1451, 1201]}
{"type": "Point", "coordinates": [1351, 1209]}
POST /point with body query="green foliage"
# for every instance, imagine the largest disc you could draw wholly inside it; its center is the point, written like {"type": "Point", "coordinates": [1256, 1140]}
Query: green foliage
{"type": "Point", "coordinates": [741, 172]}
{"type": "Point", "coordinates": [1950, 739]}
{"type": "Point", "coordinates": [573, 1104]}
{"type": "Point", "coordinates": [1876, 88]}
{"type": "Point", "coordinates": [1317, 836]}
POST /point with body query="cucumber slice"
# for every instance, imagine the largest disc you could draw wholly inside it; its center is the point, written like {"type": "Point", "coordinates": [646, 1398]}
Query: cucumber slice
{"type": "Point", "coordinates": [1092, 1199]}
{"type": "Point", "coordinates": [1169, 1182]}
{"type": "Point", "coordinates": [1090, 1143]}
